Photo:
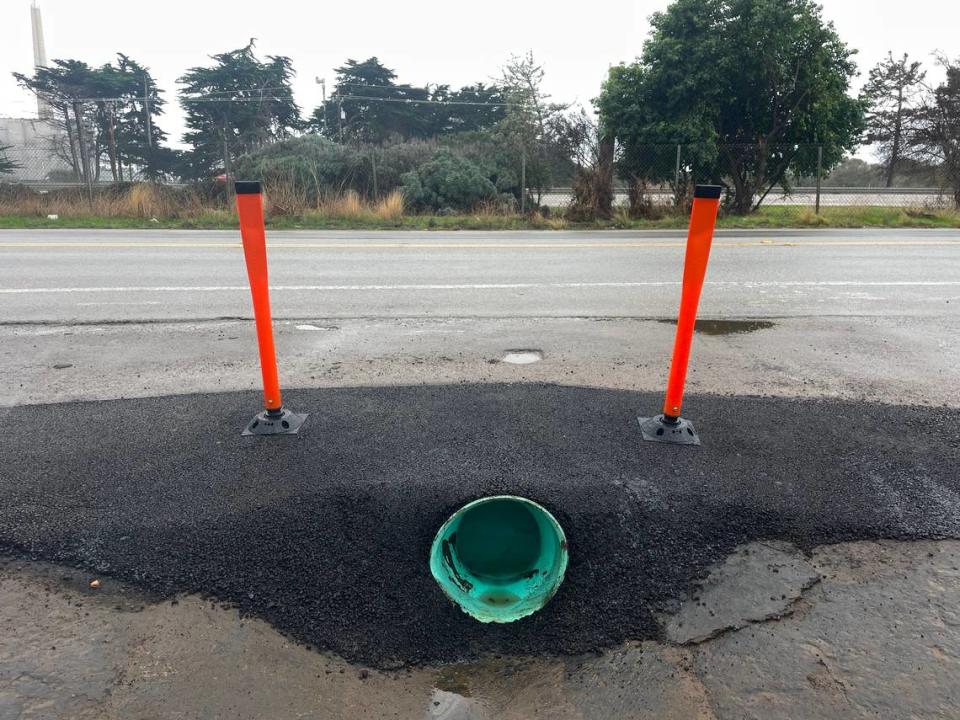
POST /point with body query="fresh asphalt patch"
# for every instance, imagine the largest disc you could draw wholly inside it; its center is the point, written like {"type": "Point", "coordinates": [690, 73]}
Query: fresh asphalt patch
{"type": "Point", "coordinates": [326, 534]}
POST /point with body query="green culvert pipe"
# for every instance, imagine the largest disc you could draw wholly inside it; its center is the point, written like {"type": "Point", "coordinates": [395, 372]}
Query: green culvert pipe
{"type": "Point", "coordinates": [500, 558]}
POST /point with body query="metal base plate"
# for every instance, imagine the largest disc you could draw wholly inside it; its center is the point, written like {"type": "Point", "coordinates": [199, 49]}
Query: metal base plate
{"type": "Point", "coordinates": [283, 422]}
{"type": "Point", "coordinates": [658, 429]}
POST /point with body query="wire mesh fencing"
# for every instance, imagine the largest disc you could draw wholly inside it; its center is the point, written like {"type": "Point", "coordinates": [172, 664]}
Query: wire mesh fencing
{"type": "Point", "coordinates": [654, 179]}
{"type": "Point", "coordinates": [651, 180]}
{"type": "Point", "coordinates": [33, 153]}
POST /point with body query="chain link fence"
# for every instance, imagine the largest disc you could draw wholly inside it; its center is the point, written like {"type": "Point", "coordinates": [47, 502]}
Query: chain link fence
{"type": "Point", "coordinates": [791, 177]}
{"type": "Point", "coordinates": [34, 152]}
{"type": "Point", "coordinates": [652, 180]}
{"type": "Point", "coordinates": [43, 154]}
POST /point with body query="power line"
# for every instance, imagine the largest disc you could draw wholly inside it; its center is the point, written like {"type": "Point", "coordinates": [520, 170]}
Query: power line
{"type": "Point", "coordinates": [423, 102]}
{"type": "Point", "coordinates": [262, 98]}
{"type": "Point", "coordinates": [338, 98]}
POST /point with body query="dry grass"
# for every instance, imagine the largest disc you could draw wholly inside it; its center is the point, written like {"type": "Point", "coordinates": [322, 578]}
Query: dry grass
{"type": "Point", "coordinates": [499, 214]}
{"type": "Point", "coordinates": [344, 206]}
{"type": "Point", "coordinates": [350, 206]}
{"type": "Point", "coordinates": [148, 201]}
{"type": "Point", "coordinates": [152, 205]}
{"type": "Point", "coordinates": [538, 221]}
{"type": "Point", "coordinates": [490, 209]}
{"type": "Point", "coordinates": [140, 200]}
{"type": "Point", "coordinates": [390, 207]}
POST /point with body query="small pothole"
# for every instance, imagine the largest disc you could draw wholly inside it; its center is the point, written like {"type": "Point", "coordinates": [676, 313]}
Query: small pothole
{"type": "Point", "coordinates": [727, 327]}
{"type": "Point", "coordinates": [522, 357]}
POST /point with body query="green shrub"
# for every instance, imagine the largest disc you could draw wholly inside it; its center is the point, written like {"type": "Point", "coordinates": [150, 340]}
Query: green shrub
{"type": "Point", "coordinates": [447, 182]}
{"type": "Point", "coordinates": [307, 169]}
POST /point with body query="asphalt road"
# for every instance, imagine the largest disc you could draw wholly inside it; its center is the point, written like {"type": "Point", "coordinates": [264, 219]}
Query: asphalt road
{"type": "Point", "coordinates": [97, 276]}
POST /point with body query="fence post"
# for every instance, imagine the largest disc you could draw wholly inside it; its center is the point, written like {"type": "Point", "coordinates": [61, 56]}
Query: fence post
{"type": "Point", "coordinates": [523, 180]}
{"type": "Point", "coordinates": [676, 176]}
{"type": "Point", "coordinates": [819, 174]}
{"type": "Point", "coordinates": [373, 164]}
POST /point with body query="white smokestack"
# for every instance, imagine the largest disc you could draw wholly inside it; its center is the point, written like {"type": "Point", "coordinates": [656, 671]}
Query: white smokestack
{"type": "Point", "coordinates": [39, 52]}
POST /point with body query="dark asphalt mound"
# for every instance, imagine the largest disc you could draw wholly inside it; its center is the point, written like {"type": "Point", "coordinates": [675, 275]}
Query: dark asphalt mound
{"type": "Point", "coordinates": [326, 535]}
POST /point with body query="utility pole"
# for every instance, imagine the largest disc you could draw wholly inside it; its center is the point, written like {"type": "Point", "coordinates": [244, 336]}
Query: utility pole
{"type": "Point", "coordinates": [676, 176]}
{"type": "Point", "coordinates": [146, 110]}
{"type": "Point", "coordinates": [322, 82]}
{"type": "Point", "coordinates": [819, 174]}
{"type": "Point", "coordinates": [340, 118]}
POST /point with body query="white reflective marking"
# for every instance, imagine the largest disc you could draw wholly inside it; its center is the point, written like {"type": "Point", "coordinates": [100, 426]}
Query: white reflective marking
{"type": "Point", "coordinates": [125, 303]}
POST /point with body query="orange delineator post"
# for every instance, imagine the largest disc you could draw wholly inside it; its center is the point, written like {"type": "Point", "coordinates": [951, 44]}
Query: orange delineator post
{"type": "Point", "coordinates": [670, 427]}
{"type": "Point", "coordinates": [703, 219]}
{"type": "Point", "coordinates": [250, 209]}
{"type": "Point", "coordinates": [275, 420]}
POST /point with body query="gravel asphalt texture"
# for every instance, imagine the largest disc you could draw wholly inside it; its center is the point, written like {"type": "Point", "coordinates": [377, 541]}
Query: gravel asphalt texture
{"type": "Point", "coordinates": [326, 534]}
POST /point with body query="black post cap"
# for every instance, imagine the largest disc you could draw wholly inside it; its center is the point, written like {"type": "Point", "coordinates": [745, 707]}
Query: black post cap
{"type": "Point", "coordinates": [252, 187]}
{"type": "Point", "coordinates": [709, 192]}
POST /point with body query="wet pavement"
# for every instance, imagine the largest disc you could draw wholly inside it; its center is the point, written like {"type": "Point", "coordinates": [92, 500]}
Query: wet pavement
{"type": "Point", "coordinates": [727, 327]}
{"type": "Point", "coordinates": [754, 577]}
{"type": "Point", "coordinates": [835, 646]}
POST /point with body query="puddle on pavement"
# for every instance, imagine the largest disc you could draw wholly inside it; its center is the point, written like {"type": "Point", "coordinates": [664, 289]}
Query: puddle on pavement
{"type": "Point", "coordinates": [500, 687]}
{"type": "Point", "coordinates": [309, 327]}
{"type": "Point", "coordinates": [454, 679]}
{"type": "Point", "coordinates": [522, 357]}
{"type": "Point", "coordinates": [727, 327]}
{"type": "Point", "coordinates": [451, 706]}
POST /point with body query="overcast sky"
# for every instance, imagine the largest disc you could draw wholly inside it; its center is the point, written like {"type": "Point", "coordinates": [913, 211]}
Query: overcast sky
{"type": "Point", "coordinates": [431, 41]}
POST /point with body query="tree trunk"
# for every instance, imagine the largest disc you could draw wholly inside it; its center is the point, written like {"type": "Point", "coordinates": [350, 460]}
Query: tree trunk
{"type": "Point", "coordinates": [897, 136]}
{"type": "Point", "coordinates": [635, 195]}
{"type": "Point", "coordinates": [743, 194]}
{"type": "Point", "coordinates": [760, 181]}
{"type": "Point", "coordinates": [604, 190]}
{"type": "Point", "coordinates": [951, 163]}
{"type": "Point", "coordinates": [83, 150]}
{"type": "Point", "coordinates": [97, 152]}
{"type": "Point", "coordinates": [73, 146]}
{"type": "Point", "coordinates": [112, 143]}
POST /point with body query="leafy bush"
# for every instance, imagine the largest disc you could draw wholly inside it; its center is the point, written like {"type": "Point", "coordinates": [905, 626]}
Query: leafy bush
{"type": "Point", "coordinates": [447, 182]}
{"type": "Point", "coordinates": [301, 172]}
{"type": "Point", "coordinates": [310, 166]}
{"type": "Point", "coordinates": [457, 172]}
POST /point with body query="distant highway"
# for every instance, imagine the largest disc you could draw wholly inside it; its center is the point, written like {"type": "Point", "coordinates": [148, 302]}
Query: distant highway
{"type": "Point", "coordinates": [803, 197]}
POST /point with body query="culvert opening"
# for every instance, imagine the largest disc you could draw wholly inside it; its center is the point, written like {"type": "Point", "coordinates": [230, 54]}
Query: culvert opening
{"type": "Point", "coordinates": [500, 558]}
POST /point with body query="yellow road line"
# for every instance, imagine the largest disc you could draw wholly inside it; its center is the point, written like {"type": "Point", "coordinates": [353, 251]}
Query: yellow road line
{"type": "Point", "coordinates": [476, 246]}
